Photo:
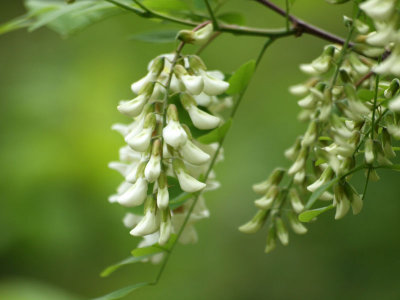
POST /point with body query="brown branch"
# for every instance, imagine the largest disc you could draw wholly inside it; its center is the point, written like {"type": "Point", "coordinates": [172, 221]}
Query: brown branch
{"type": "Point", "coordinates": [301, 26]}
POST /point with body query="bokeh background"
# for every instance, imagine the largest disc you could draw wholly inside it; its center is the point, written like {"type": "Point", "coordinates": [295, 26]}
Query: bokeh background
{"type": "Point", "coordinates": [57, 230]}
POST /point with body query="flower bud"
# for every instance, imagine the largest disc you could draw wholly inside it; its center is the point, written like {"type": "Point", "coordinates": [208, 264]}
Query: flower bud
{"type": "Point", "coordinates": [300, 162]}
{"type": "Point", "coordinates": [131, 220]}
{"type": "Point", "coordinates": [162, 192]}
{"type": "Point", "coordinates": [341, 200]}
{"type": "Point", "coordinates": [268, 199]}
{"type": "Point", "coordinates": [255, 223]}
{"type": "Point", "coordinates": [153, 167]}
{"type": "Point", "coordinates": [392, 89]}
{"type": "Point", "coordinates": [195, 63]}
{"type": "Point", "coordinates": [361, 27]}
{"type": "Point", "coordinates": [187, 182]}
{"type": "Point", "coordinates": [293, 151]}
{"type": "Point", "coordinates": [355, 199]}
{"type": "Point", "coordinates": [310, 135]}
{"type": "Point", "coordinates": [165, 227]}
{"type": "Point", "coordinates": [271, 240]}
{"type": "Point", "coordinates": [369, 151]}
{"type": "Point", "coordinates": [274, 179]}
{"type": "Point", "coordinates": [157, 66]}
{"type": "Point", "coordinates": [295, 201]}
{"type": "Point", "coordinates": [296, 225]}
{"type": "Point", "coordinates": [150, 222]}
{"type": "Point", "coordinates": [326, 176]}
{"type": "Point", "coordinates": [200, 119]}
{"type": "Point", "coordinates": [281, 231]}
{"type": "Point", "coordinates": [387, 144]}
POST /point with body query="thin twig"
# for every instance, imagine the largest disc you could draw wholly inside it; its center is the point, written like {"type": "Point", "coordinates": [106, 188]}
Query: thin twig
{"type": "Point", "coordinates": [212, 15]}
{"type": "Point", "coordinates": [303, 27]}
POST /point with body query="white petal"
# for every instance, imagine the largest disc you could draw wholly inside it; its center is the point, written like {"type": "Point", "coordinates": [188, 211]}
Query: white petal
{"type": "Point", "coordinates": [378, 9]}
{"type": "Point", "coordinates": [194, 84]}
{"type": "Point", "coordinates": [134, 107]}
{"type": "Point", "coordinates": [193, 154]}
{"type": "Point", "coordinates": [174, 134]}
{"type": "Point", "coordinates": [394, 105]}
{"type": "Point", "coordinates": [153, 168]}
{"type": "Point", "coordinates": [188, 183]}
{"type": "Point", "coordinates": [141, 141]}
{"type": "Point", "coordinates": [135, 195]}
{"type": "Point", "coordinates": [203, 99]}
{"type": "Point", "coordinates": [201, 119]}
{"type": "Point", "coordinates": [162, 198]}
{"type": "Point", "coordinates": [130, 220]}
{"type": "Point", "coordinates": [213, 86]}
{"type": "Point", "coordinates": [148, 225]}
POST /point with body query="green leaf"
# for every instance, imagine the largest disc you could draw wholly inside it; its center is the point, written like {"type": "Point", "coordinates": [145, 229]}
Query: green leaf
{"type": "Point", "coordinates": [365, 95]}
{"type": "Point", "coordinates": [150, 250]}
{"type": "Point", "coordinates": [178, 201]}
{"type": "Point", "coordinates": [241, 78]}
{"type": "Point", "coordinates": [130, 260]}
{"type": "Point", "coordinates": [166, 6]}
{"type": "Point", "coordinates": [118, 294]}
{"type": "Point", "coordinates": [157, 36]}
{"type": "Point", "coordinates": [67, 19]}
{"type": "Point", "coordinates": [14, 24]}
{"type": "Point", "coordinates": [323, 188]}
{"type": "Point", "coordinates": [309, 215]}
{"type": "Point", "coordinates": [232, 18]}
{"type": "Point", "coordinates": [154, 249]}
{"type": "Point", "coordinates": [216, 135]}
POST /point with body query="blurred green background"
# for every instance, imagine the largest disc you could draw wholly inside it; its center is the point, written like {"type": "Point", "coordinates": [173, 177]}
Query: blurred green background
{"type": "Point", "coordinates": [57, 230]}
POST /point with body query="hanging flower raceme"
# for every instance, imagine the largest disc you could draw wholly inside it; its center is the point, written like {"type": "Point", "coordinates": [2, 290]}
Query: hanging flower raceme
{"type": "Point", "coordinates": [163, 162]}
{"type": "Point", "coordinates": [351, 123]}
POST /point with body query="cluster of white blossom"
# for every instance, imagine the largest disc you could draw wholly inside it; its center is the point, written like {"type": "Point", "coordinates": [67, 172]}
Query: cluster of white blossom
{"type": "Point", "coordinates": [161, 154]}
{"type": "Point", "coordinates": [351, 122]}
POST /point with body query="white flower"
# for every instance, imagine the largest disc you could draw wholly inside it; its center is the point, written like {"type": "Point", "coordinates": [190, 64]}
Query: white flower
{"type": "Point", "coordinates": [128, 155]}
{"type": "Point", "coordinates": [187, 182]}
{"type": "Point", "coordinates": [324, 178]}
{"type": "Point", "coordinates": [201, 119]}
{"type": "Point", "coordinates": [133, 107]}
{"type": "Point", "coordinates": [212, 85]}
{"type": "Point", "coordinates": [298, 90]}
{"type": "Point", "coordinates": [165, 227]}
{"type": "Point", "coordinates": [149, 224]}
{"type": "Point", "coordinates": [203, 99]}
{"type": "Point", "coordinates": [193, 83]}
{"type": "Point", "coordinates": [394, 105]}
{"type": "Point", "coordinates": [193, 154]}
{"type": "Point", "coordinates": [119, 167]}
{"type": "Point", "coordinates": [135, 195]}
{"type": "Point", "coordinates": [131, 220]}
{"type": "Point", "coordinates": [266, 201]}
{"type": "Point", "coordinates": [174, 135]}
{"type": "Point", "coordinates": [141, 141]}
{"type": "Point", "coordinates": [138, 85]}
{"type": "Point", "coordinates": [379, 9]}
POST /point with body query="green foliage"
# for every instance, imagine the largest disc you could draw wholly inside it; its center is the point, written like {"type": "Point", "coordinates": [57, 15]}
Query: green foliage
{"type": "Point", "coordinates": [166, 6]}
{"type": "Point", "coordinates": [156, 248]}
{"type": "Point", "coordinates": [309, 215]}
{"type": "Point", "coordinates": [118, 294]}
{"type": "Point", "coordinates": [337, 1]}
{"type": "Point", "coordinates": [130, 260]}
{"type": "Point", "coordinates": [232, 18]}
{"type": "Point", "coordinates": [241, 78]}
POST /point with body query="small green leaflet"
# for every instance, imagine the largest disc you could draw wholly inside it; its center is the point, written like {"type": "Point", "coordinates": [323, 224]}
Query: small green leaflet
{"type": "Point", "coordinates": [308, 215]}
{"type": "Point", "coordinates": [118, 294]}
{"type": "Point", "coordinates": [365, 95]}
{"type": "Point", "coordinates": [130, 260]}
{"type": "Point", "coordinates": [232, 18]}
{"type": "Point", "coordinates": [216, 135]}
{"type": "Point", "coordinates": [154, 249]}
{"type": "Point", "coordinates": [157, 36]}
{"type": "Point", "coordinates": [241, 78]}
{"type": "Point", "coordinates": [337, 1]}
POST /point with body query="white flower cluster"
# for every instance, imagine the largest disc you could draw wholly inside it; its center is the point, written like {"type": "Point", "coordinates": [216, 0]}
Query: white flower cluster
{"type": "Point", "coordinates": [340, 120]}
{"type": "Point", "coordinates": [385, 15]}
{"type": "Point", "coordinates": [161, 153]}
